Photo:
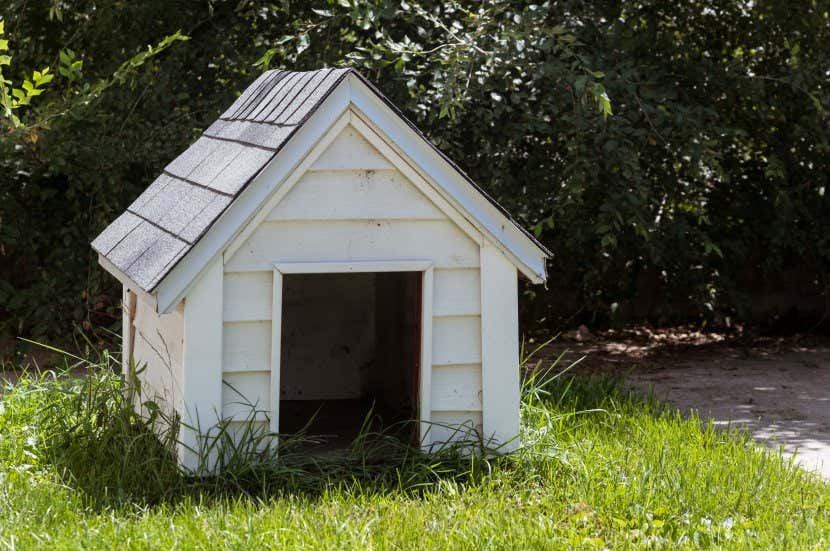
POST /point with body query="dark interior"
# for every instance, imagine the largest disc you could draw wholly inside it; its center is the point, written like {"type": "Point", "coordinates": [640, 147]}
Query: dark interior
{"type": "Point", "coordinates": [350, 345]}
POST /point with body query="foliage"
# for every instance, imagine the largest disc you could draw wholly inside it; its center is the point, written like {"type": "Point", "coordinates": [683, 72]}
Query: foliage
{"type": "Point", "coordinates": [674, 157]}
{"type": "Point", "coordinates": [12, 99]}
{"type": "Point", "coordinates": [601, 468]}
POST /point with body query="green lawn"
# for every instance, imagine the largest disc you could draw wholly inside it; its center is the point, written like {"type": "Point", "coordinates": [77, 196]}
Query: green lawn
{"type": "Point", "coordinates": [602, 468]}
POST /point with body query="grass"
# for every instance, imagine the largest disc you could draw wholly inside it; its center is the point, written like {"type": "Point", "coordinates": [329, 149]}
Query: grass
{"type": "Point", "coordinates": [601, 467]}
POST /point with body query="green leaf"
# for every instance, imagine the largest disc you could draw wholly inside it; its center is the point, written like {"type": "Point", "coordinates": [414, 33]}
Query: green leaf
{"type": "Point", "coordinates": [265, 61]}
{"type": "Point", "coordinates": [4, 45]}
{"type": "Point", "coordinates": [303, 43]}
{"type": "Point", "coordinates": [43, 78]}
{"type": "Point", "coordinates": [2, 26]}
{"type": "Point", "coordinates": [5, 59]}
{"type": "Point", "coordinates": [712, 248]}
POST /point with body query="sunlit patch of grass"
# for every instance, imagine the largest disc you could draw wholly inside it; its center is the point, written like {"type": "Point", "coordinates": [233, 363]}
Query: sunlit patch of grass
{"type": "Point", "coordinates": [601, 467]}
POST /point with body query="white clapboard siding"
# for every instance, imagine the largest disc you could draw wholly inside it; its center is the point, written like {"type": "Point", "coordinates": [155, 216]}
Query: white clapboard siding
{"type": "Point", "coordinates": [448, 426]}
{"type": "Point", "coordinates": [164, 333]}
{"type": "Point", "coordinates": [160, 380]}
{"type": "Point", "coordinates": [457, 293]}
{"type": "Point", "coordinates": [245, 394]}
{"type": "Point", "coordinates": [456, 340]}
{"type": "Point", "coordinates": [346, 240]}
{"type": "Point", "coordinates": [157, 351]}
{"type": "Point", "coordinates": [456, 388]}
{"type": "Point", "coordinates": [349, 151]}
{"type": "Point", "coordinates": [355, 195]}
{"type": "Point", "coordinates": [248, 296]}
{"type": "Point", "coordinates": [246, 346]}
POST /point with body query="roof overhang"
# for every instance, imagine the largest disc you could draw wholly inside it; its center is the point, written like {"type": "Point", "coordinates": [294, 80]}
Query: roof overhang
{"type": "Point", "coordinates": [148, 298]}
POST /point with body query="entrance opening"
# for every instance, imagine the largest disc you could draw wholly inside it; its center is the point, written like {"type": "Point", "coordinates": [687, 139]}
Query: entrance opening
{"type": "Point", "coordinates": [351, 344]}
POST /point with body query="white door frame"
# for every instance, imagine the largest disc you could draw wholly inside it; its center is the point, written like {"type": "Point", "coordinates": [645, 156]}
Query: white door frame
{"type": "Point", "coordinates": [357, 266]}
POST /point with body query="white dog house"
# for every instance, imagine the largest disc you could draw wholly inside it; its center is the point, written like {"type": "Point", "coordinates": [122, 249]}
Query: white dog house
{"type": "Point", "coordinates": [313, 251]}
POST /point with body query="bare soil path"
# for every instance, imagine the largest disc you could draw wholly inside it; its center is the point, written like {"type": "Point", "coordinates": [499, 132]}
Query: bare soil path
{"type": "Point", "coordinates": [778, 390]}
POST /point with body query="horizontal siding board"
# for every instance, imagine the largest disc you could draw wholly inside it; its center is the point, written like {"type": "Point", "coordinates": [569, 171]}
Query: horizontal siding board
{"type": "Point", "coordinates": [246, 346]}
{"type": "Point", "coordinates": [247, 296]}
{"type": "Point", "coordinates": [456, 340]}
{"type": "Point", "coordinates": [449, 426]}
{"type": "Point", "coordinates": [245, 394]}
{"type": "Point", "coordinates": [350, 151]}
{"type": "Point", "coordinates": [355, 195]}
{"type": "Point", "coordinates": [342, 241]}
{"type": "Point", "coordinates": [457, 293]}
{"type": "Point", "coordinates": [456, 387]}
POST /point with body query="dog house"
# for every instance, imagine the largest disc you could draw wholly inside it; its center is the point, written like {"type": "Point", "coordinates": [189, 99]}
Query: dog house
{"type": "Point", "coordinates": [312, 254]}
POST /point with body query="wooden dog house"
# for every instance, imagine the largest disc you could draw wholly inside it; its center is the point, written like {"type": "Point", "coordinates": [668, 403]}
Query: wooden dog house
{"type": "Point", "coordinates": [313, 251]}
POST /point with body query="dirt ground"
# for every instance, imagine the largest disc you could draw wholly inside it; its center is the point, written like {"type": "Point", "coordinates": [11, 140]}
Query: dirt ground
{"type": "Point", "coordinates": [778, 389]}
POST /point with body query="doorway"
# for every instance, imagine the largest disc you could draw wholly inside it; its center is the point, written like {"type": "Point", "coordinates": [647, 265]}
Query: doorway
{"type": "Point", "coordinates": [350, 354]}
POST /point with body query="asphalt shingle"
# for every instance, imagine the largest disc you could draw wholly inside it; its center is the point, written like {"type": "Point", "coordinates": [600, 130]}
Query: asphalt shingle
{"type": "Point", "coordinates": [315, 96]}
{"type": "Point", "coordinates": [154, 259]}
{"type": "Point", "coordinates": [247, 96]}
{"type": "Point", "coordinates": [193, 156]}
{"type": "Point", "coordinates": [253, 133]}
{"type": "Point", "coordinates": [213, 165]}
{"type": "Point", "coordinates": [277, 106]}
{"type": "Point", "coordinates": [174, 209]}
{"type": "Point", "coordinates": [133, 245]}
{"type": "Point", "coordinates": [151, 192]}
{"type": "Point", "coordinates": [257, 98]}
{"type": "Point", "coordinates": [241, 170]}
{"type": "Point", "coordinates": [115, 232]}
{"type": "Point", "coordinates": [202, 221]}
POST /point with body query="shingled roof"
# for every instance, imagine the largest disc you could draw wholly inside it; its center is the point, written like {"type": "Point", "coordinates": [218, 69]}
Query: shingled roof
{"type": "Point", "coordinates": [165, 222]}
